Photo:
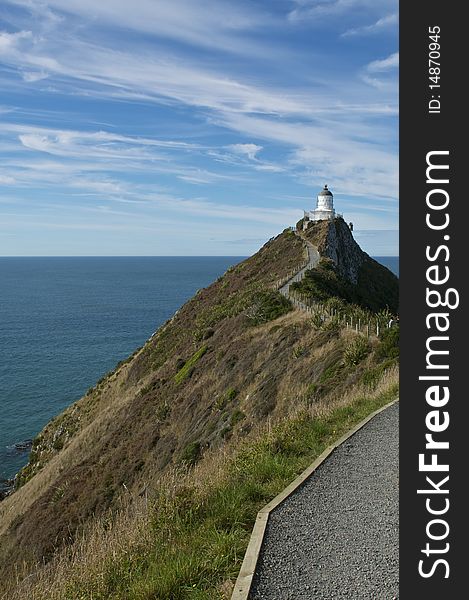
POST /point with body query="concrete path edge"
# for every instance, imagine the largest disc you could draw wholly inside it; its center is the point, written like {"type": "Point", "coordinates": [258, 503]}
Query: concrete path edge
{"type": "Point", "coordinates": [243, 582]}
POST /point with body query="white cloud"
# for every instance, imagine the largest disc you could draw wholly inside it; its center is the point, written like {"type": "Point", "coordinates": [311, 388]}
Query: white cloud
{"type": "Point", "coordinates": [206, 23]}
{"type": "Point", "coordinates": [383, 23]}
{"type": "Point", "coordinates": [386, 64]}
{"type": "Point", "coordinates": [79, 153]}
{"type": "Point", "coordinates": [269, 168]}
{"type": "Point", "coordinates": [31, 76]}
{"type": "Point", "coordinates": [6, 179]}
{"type": "Point", "coordinates": [133, 73]}
{"type": "Point", "coordinates": [100, 71]}
{"type": "Point", "coordinates": [334, 128]}
{"type": "Point", "coordinates": [381, 74]}
{"type": "Point", "coordinates": [249, 150]}
{"type": "Point", "coordinates": [320, 9]}
{"type": "Point", "coordinates": [339, 154]}
{"type": "Point", "coordinates": [10, 42]}
{"type": "Point", "coordinates": [201, 207]}
{"type": "Point", "coordinates": [99, 144]}
{"type": "Point", "coordinates": [6, 109]}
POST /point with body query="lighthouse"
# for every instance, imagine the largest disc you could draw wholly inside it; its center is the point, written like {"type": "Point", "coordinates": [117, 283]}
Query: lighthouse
{"type": "Point", "coordinates": [324, 208]}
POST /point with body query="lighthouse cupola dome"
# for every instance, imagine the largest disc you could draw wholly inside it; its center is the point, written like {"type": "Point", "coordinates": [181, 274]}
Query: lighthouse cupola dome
{"type": "Point", "coordinates": [325, 199]}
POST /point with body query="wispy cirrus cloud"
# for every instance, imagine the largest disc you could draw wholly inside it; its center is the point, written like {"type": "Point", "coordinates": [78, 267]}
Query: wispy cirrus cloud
{"type": "Point", "coordinates": [381, 73]}
{"type": "Point", "coordinates": [12, 42]}
{"type": "Point", "coordinates": [319, 152]}
{"type": "Point", "coordinates": [323, 9]}
{"type": "Point", "coordinates": [385, 64]}
{"type": "Point", "coordinates": [93, 143]}
{"type": "Point", "coordinates": [387, 22]}
{"type": "Point", "coordinates": [6, 179]}
{"type": "Point", "coordinates": [208, 23]}
{"type": "Point", "coordinates": [111, 73]}
{"type": "Point", "coordinates": [148, 104]}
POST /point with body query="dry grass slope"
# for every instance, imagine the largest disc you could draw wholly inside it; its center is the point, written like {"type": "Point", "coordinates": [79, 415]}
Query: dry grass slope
{"type": "Point", "coordinates": [187, 537]}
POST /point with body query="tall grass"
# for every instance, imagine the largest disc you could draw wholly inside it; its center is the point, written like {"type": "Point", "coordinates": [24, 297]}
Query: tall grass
{"type": "Point", "coordinates": [186, 540]}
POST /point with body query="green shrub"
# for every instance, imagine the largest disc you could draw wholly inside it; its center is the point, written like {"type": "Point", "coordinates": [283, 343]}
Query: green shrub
{"type": "Point", "coordinates": [389, 343]}
{"type": "Point", "coordinates": [317, 320]}
{"type": "Point", "coordinates": [331, 372]}
{"type": "Point", "coordinates": [236, 417]}
{"type": "Point", "coordinates": [203, 333]}
{"type": "Point", "coordinates": [335, 303]}
{"type": "Point", "coordinates": [163, 411]}
{"type": "Point", "coordinates": [332, 325]}
{"type": "Point", "coordinates": [223, 400]}
{"type": "Point", "coordinates": [298, 351]}
{"type": "Point", "coordinates": [225, 431]}
{"type": "Point", "coordinates": [186, 371]}
{"type": "Point", "coordinates": [267, 306]}
{"type": "Point", "coordinates": [180, 362]}
{"type": "Point", "coordinates": [356, 350]}
{"type": "Point", "coordinates": [191, 453]}
{"type": "Point", "coordinates": [231, 394]}
{"type": "Point", "coordinates": [58, 443]}
{"type": "Point", "coordinates": [372, 377]}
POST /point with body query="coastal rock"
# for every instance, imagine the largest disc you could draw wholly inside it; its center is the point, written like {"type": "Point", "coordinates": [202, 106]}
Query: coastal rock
{"type": "Point", "coordinates": [6, 488]}
{"type": "Point", "coordinates": [344, 250]}
{"type": "Point", "coordinates": [335, 241]}
{"type": "Point", "coordinates": [23, 446]}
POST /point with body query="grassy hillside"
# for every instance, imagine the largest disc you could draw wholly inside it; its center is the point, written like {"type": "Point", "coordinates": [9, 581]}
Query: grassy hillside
{"type": "Point", "coordinates": [147, 487]}
{"type": "Point", "coordinates": [141, 417]}
{"type": "Point", "coordinates": [187, 540]}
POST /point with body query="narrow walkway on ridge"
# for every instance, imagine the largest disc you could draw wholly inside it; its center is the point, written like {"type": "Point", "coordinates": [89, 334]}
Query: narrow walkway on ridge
{"type": "Point", "coordinates": [337, 535]}
{"type": "Point", "coordinates": [313, 260]}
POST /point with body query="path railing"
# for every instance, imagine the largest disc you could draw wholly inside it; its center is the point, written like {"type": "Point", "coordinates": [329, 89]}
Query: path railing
{"type": "Point", "coordinates": [357, 320]}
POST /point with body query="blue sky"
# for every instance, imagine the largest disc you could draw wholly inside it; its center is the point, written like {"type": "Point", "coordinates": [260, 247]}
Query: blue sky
{"type": "Point", "coordinates": [184, 127]}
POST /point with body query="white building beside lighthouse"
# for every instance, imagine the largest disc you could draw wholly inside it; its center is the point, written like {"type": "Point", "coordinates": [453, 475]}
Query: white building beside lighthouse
{"type": "Point", "coordinates": [324, 208]}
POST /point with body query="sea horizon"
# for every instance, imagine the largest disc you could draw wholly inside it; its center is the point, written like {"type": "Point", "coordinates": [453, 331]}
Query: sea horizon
{"type": "Point", "coordinates": [155, 256]}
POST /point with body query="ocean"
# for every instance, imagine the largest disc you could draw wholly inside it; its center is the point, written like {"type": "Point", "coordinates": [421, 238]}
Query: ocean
{"type": "Point", "coordinates": [65, 322]}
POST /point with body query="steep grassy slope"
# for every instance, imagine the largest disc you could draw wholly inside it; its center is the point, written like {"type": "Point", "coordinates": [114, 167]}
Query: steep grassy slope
{"type": "Point", "coordinates": [175, 391]}
{"type": "Point", "coordinates": [231, 358]}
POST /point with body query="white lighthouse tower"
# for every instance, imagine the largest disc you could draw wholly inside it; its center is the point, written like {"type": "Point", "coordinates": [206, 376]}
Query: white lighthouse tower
{"type": "Point", "coordinates": [324, 208]}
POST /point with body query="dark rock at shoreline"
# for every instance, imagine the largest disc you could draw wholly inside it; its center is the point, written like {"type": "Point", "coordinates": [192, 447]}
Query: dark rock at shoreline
{"type": "Point", "coordinates": [23, 446]}
{"type": "Point", "coordinates": [6, 488]}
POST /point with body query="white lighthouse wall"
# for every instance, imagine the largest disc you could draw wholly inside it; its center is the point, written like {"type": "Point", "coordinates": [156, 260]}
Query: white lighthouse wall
{"type": "Point", "coordinates": [325, 202]}
{"type": "Point", "coordinates": [324, 210]}
{"type": "Point", "coordinates": [321, 215]}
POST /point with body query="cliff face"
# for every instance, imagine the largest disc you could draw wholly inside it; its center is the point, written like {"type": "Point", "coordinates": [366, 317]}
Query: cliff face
{"type": "Point", "coordinates": [230, 357]}
{"type": "Point", "coordinates": [342, 249]}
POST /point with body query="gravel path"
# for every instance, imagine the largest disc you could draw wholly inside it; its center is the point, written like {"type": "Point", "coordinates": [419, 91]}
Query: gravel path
{"type": "Point", "coordinates": [336, 537]}
{"type": "Point", "coordinates": [313, 259]}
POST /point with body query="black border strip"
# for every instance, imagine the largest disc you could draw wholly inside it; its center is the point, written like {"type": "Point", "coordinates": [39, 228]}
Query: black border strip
{"type": "Point", "coordinates": [421, 132]}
